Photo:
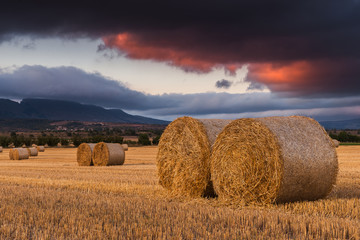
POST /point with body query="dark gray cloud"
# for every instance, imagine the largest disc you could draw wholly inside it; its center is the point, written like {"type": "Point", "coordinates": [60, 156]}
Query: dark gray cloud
{"type": "Point", "coordinates": [69, 83]}
{"type": "Point", "coordinates": [223, 83]}
{"type": "Point", "coordinates": [324, 33]}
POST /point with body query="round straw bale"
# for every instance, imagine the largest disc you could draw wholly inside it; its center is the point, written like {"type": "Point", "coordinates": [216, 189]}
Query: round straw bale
{"type": "Point", "coordinates": [336, 143]}
{"type": "Point", "coordinates": [59, 145]}
{"type": "Point", "coordinates": [23, 146]}
{"type": "Point", "coordinates": [32, 151]}
{"type": "Point", "coordinates": [125, 147]}
{"type": "Point", "coordinates": [106, 154]}
{"type": "Point", "coordinates": [41, 148]}
{"type": "Point", "coordinates": [184, 154]}
{"type": "Point", "coordinates": [34, 145]}
{"type": "Point", "coordinates": [1, 148]}
{"type": "Point", "coordinates": [46, 145]}
{"type": "Point", "coordinates": [84, 154]}
{"type": "Point", "coordinates": [20, 153]}
{"type": "Point", "coordinates": [274, 159]}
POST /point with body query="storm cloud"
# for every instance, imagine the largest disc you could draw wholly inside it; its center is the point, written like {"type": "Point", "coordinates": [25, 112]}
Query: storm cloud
{"type": "Point", "coordinates": [293, 47]}
{"type": "Point", "coordinates": [69, 83]}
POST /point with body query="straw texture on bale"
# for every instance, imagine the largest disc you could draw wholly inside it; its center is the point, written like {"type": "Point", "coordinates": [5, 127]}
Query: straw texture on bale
{"type": "Point", "coordinates": [41, 148]}
{"type": "Point", "coordinates": [32, 151]}
{"type": "Point", "coordinates": [19, 154]}
{"type": "Point", "coordinates": [1, 149]}
{"type": "Point", "coordinates": [125, 147]}
{"type": "Point", "coordinates": [106, 154]}
{"type": "Point", "coordinates": [274, 159]}
{"type": "Point", "coordinates": [336, 143]}
{"type": "Point", "coordinates": [84, 154]}
{"type": "Point", "coordinates": [184, 154]}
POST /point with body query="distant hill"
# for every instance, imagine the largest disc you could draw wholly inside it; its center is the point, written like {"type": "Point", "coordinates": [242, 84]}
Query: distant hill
{"type": "Point", "coordinates": [344, 124]}
{"type": "Point", "coordinates": [66, 110]}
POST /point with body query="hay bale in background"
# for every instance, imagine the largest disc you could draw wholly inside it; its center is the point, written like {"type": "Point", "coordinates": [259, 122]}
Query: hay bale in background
{"type": "Point", "coordinates": [275, 159]}
{"type": "Point", "coordinates": [46, 145]}
{"type": "Point", "coordinates": [59, 145]}
{"type": "Point", "coordinates": [125, 147]}
{"type": "Point", "coordinates": [34, 145]}
{"type": "Point", "coordinates": [41, 148]}
{"type": "Point", "coordinates": [183, 155]}
{"type": "Point", "coordinates": [84, 154]}
{"type": "Point", "coordinates": [19, 154]}
{"type": "Point", "coordinates": [1, 148]}
{"type": "Point", "coordinates": [32, 151]}
{"type": "Point", "coordinates": [23, 146]}
{"type": "Point", "coordinates": [336, 143]}
{"type": "Point", "coordinates": [106, 154]}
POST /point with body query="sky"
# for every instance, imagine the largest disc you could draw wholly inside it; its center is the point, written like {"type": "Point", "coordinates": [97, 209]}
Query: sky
{"type": "Point", "coordinates": [206, 59]}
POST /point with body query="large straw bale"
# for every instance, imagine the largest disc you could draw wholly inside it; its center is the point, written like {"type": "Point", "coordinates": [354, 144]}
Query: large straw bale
{"type": "Point", "coordinates": [41, 148]}
{"type": "Point", "coordinates": [84, 154]}
{"type": "Point", "coordinates": [184, 154]}
{"type": "Point", "coordinates": [32, 151]}
{"type": "Point", "coordinates": [19, 154]}
{"type": "Point", "coordinates": [106, 154]}
{"type": "Point", "coordinates": [274, 159]}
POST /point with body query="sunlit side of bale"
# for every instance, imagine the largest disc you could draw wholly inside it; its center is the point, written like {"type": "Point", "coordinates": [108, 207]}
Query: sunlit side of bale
{"type": "Point", "coordinates": [84, 154]}
{"type": "Point", "coordinates": [183, 156]}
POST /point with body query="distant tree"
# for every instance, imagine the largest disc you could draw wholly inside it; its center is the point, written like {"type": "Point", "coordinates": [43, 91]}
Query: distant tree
{"type": "Point", "coordinates": [143, 139]}
{"type": "Point", "coordinates": [156, 140]}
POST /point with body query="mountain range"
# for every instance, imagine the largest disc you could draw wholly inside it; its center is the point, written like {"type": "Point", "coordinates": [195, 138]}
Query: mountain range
{"type": "Point", "coordinates": [67, 110]}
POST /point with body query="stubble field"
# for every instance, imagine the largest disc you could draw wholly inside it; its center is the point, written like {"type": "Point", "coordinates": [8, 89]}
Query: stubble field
{"type": "Point", "coordinates": [50, 197]}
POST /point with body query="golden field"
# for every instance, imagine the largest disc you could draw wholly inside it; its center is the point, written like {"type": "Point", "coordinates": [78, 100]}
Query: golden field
{"type": "Point", "coordinates": [50, 197]}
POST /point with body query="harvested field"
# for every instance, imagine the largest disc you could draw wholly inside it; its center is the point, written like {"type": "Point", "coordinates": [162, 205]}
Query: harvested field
{"type": "Point", "coordinates": [50, 197]}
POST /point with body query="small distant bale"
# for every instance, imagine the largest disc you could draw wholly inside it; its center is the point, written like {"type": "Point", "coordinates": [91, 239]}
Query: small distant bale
{"type": "Point", "coordinates": [46, 145]}
{"type": "Point", "coordinates": [19, 154]}
{"type": "Point", "coordinates": [34, 145]}
{"type": "Point", "coordinates": [33, 152]}
{"type": "Point", "coordinates": [71, 145]}
{"type": "Point", "coordinates": [1, 148]}
{"type": "Point", "coordinates": [183, 159]}
{"type": "Point", "coordinates": [106, 154]}
{"type": "Point", "coordinates": [41, 148]}
{"type": "Point", "coordinates": [84, 154]}
{"type": "Point", "coordinates": [23, 146]}
{"type": "Point", "coordinates": [336, 143]}
{"type": "Point", "coordinates": [125, 147]}
{"type": "Point", "coordinates": [59, 145]}
{"type": "Point", "coordinates": [273, 160]}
